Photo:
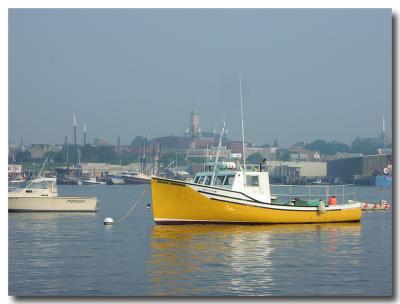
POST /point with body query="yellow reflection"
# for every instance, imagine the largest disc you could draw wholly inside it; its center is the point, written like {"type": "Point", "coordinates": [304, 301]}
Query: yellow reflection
{"type": "Point", "coordinates": [184, 255]}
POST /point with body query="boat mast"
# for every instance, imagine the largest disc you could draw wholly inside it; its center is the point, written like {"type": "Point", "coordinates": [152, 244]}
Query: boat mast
{"type": "Point", "coordinates": [241, 110]}
{"type": "Point", "coordinates": [216, 158]}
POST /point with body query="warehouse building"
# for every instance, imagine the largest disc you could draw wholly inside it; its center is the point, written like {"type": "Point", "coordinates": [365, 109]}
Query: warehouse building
{"type": "Point", "coordinates": [358, 170]}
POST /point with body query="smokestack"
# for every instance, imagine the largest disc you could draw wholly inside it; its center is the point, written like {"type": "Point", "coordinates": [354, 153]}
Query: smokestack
{"type": "Point", "coordinates": [66, 148]}
{"type": "Point", "coordinates": [75, 146]}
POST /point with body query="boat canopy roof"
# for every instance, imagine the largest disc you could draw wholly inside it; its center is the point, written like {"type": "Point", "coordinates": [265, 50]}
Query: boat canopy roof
{"type": "Point", "coordinates": [42, 182]}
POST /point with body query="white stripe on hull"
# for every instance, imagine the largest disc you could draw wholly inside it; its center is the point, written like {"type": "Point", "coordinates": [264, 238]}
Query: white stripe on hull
{"type": "Point", "coordinates": [52, 204]}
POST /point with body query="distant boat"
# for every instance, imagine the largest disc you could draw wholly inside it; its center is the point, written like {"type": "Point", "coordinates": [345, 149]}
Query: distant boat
{"type": "Point", "coordinates": [92, 181]}
{"type": "Point", "coordinates": [69, 180]}
{"type": "Point", "coordinates": [41, 194]}
{"type": "Point", "coordinates": [115, 180]}
{"type": "Point", "coordinates": [136, 178]}
{"type": "Point", "coordinates": [16, 182]}
{"type": "Point", "coordinates": [382, 205]}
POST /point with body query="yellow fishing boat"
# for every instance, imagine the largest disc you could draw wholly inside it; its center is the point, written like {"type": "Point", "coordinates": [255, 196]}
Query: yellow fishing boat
{"type": "Point", "coordinates": [237, 197]}
{"type": "Point", "coordinates": [226, 195]}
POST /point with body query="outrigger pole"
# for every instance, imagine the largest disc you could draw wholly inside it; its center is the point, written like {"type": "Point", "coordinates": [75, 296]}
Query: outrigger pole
{"type": "Point", "coordinates": [216, 158]}
{"type": "Point", "coordinates": [241, 110]}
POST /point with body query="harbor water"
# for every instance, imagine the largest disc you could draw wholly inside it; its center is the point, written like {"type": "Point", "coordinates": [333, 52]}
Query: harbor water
{"type": "Point", "coordinates": [74, 254]}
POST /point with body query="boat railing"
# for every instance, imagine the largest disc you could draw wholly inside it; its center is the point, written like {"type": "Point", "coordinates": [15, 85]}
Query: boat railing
{"type": "Point", "coordinates": [343, 193]}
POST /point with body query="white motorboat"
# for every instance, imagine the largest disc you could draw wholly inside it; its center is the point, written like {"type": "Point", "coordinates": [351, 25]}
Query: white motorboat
{"type": "Point", "coordinates": [41, 195]}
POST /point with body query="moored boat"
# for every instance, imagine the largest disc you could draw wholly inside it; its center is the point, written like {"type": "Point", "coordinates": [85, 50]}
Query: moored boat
{"type": "Point", "coordinates": [41, 195]}
{"type": "Point", "coordinates": [115, 180]}
{"type": "Point", "coordinates": [92, 181]}
{"type": "Point", "coordinates": [136, 178]}
{"type": "Point", "coordinates": [237, 197]}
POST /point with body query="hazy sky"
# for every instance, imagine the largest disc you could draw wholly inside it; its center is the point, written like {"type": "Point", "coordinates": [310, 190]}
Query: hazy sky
{"type": "Point", "coordinates": [307, 74]}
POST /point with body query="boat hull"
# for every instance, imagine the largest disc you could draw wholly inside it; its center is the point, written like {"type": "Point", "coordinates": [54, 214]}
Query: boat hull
{"type": "Point", "coordinates": [176, 202]}
{"type": "Point", "coordinates": [55, 204]}
{"type": "Point", "coordinates": [136, 180]}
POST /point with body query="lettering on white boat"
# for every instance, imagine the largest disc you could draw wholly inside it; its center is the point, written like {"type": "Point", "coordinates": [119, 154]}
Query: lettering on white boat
{"type": "Point", "coordinates": [76, 201]}
{"type": "Point", "coordinates": [170, 183]}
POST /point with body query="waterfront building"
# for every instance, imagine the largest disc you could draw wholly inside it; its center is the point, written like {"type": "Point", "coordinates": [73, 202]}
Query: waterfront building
{"type": "Point", "coordinates": [208, 153]}
{"type": "Point", "coordinates": [360, 169]}
{"type": "Point", "coordinates": [294, 172]}
{"type": "Point", "coordinates": [14, 171]}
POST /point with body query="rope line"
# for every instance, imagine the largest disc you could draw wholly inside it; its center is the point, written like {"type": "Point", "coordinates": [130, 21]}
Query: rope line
{"type": "Point", "coordinates": [131, 209]}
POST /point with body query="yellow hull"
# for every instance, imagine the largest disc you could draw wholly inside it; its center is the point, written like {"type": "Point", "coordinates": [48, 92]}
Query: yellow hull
{"type": "Point", "coordinates": [177, 203]}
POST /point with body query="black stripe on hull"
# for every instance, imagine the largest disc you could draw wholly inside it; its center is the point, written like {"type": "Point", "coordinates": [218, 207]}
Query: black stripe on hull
{"type": "Point", "coordinates": [236, 198]}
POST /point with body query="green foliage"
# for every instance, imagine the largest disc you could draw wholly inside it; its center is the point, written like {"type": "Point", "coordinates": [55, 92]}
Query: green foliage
{"type": "Point", "coordinates": [23, 156]}
{"type": "Point", "coordinates": [255, 158]}
{"type": "Point", "coordinates": [128, 157]}
{"type": "Point", "coordinates": [99, 154]}
{"type": "Point", "coordinates": [365, 146]}
{"type": "Point", "coordinates": [327, 148]}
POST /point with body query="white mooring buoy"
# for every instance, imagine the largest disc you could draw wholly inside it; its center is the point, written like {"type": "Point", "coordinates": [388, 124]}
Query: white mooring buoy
{"type": "Point", "coordinates": [108, 221]}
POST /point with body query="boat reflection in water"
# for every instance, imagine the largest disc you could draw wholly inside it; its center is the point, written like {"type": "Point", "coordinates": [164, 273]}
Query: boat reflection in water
{"type": "Point", "coordinates": [213, 260]}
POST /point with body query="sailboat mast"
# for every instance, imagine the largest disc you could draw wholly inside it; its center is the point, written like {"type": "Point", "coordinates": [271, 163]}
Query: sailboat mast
{"type": "Point", "coordinates": [75, 147]}
{"type": "Point", "coordinates": [241, 110]}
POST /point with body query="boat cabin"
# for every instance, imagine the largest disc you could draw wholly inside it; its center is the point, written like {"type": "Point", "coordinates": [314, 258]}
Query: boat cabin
{"type": "Point", "coordinates": [255, 184]}
{"type": "Point", "coordinates": [42, 186]}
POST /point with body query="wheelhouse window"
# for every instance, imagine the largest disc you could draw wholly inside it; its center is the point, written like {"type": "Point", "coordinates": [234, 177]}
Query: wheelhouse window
{"type": "Point", "coordinates": [39, 185]}
{"type": "Point", "coordinates": [229, 180]}
{"type": "Point", "coordinates": [208, 180]}
{"type": "Point", "coordinates": [196, 180]}
{"type": "Point", "coordinates": [219, 180]}
{"type": "Point", "coordinates": [201, 180]}
{"type": "Point", "coordinates": [252, 180]}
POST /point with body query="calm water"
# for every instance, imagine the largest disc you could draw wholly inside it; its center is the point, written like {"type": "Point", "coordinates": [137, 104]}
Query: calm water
{"type": "Point", "coordinates": [75, 254]}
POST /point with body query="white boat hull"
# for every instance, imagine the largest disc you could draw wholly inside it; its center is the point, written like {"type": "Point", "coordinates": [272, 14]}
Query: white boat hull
{"type": "Point", "coordinates": [69, 204]}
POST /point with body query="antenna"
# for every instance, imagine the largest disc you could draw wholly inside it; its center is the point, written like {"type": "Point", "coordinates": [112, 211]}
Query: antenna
{"type": "Point", "coordinates": [241, 110]}
{"type": "Point", "coordinates": [41, 169]}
